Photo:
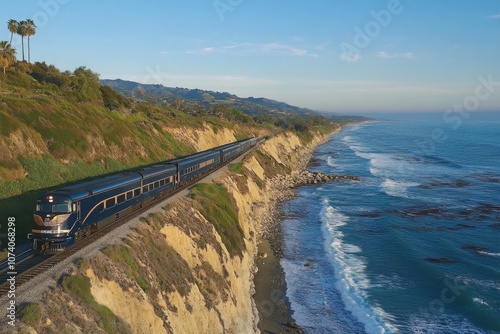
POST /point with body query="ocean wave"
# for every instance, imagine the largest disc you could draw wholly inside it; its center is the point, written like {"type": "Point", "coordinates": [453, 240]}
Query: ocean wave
{"type": "Point", "coordinates": [354, 145]}
{"type": "Point", "coordinates": [482, 284]}
{"type": "Point", "coordinates": [480, 301]}
{"type": "Point", "coordinates": [441, 323]}
{"type": "Point", "coordinates": [391, 282]}
{"type": "Point", "coordinates": [489, 254]}
{"type": "Point", "coordinates": [350, 274]}
{"type": "Point", "coordinates": [397, 188]}
{"type": "Point", "coordinates": [331, 162]}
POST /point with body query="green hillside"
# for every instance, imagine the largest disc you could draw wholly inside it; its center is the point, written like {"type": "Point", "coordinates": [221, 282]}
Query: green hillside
{"type": "Point", "coordinates": [62, 127]}
{"type": "Point", "coordinates": [260, 109]}
{"type": "Point", "coordinates": [58, 128]}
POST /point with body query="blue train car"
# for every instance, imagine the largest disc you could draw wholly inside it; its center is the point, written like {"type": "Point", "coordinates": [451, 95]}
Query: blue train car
{"type": "Point", "coordinates": [193, 166]}
{"type": "Point", "coordinates": [65, 215]}
{"type": "Point", "coordinates": [158, 181]}
{"type": "Point", "coordinates": [230, 152]}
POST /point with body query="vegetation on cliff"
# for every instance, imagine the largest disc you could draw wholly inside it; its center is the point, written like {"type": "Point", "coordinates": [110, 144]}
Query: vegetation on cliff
{"type": "Point", "coordinates": [62, 127]}
{"type": "Point", "coordinates": [186, 268]}
{"type": "Point", "coordinates": [58, 128]}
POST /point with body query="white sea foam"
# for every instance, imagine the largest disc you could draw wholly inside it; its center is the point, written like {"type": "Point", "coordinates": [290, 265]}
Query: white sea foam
{"type": "Point", "coordinates": [354, 145]}
{"type": "Point", "coordinates": [332, 163]}
{"type": "Point", "coordinates": [350, 274]}
{"type": "Point", "coordinates": [397, 188]}
{"type": "Point", "coordinates": [473, 282]}
{"type": "Point", "coordinates": [480, 302]}
{"type": "Point", "coordinates": [391, 282]}
{"type": "Point", "coordinates": [489, 254]}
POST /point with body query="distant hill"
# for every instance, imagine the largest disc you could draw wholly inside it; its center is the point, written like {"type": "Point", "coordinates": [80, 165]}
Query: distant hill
{"type": "Point", "coordinates": [189, 98]}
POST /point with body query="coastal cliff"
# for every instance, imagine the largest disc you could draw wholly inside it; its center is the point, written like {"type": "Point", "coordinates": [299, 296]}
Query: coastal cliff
{"type": "Point", "coordinates": [189, 266]}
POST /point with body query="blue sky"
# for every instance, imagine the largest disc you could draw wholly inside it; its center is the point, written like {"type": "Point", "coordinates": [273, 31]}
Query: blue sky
{"type": "Point", "coordinates": [342, 56]}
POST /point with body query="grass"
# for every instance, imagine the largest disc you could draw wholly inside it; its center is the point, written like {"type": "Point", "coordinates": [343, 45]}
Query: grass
{"type": "Point", "coordinates": [7, 124]}
{"type": "Point", "coordinates": [30, 314]}
{"type": "Point", "coordinates": [236, 168]}
{"type": "Point", "coordinates": [270, 165]}
{"type": "Point", "coordinates": [124, 255]}
{"type": "Point", "coordinates": [79, 286]}
{"type": "Point", "coordinates": [69, 139]}
{"type": "Point", "coordinates": [217, 207]}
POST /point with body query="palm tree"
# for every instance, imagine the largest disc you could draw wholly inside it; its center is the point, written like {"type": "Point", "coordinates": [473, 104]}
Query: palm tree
{"type": "Point", "coordinates": [13, 26]}
{"type": "Point", "coordinates": [22, 30]}
{"type": "Point", "coordinates": [30, 31]}
{"type": "Point", "coordinates": [7, 55]}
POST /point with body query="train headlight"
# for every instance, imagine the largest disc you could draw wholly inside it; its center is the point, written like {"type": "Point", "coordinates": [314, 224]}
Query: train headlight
{"type": "Point", "coordinates": [38, 220]}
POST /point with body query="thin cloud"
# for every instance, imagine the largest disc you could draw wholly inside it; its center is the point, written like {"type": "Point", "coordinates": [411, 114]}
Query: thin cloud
{"type": "Point", "coordinates": [350, 58]}
{"type": "Point", "coordinates": [204, 51]}
{"type": "Point", "coordinates": [383, 54]}
{"type": "Point", "coordinates": [297, 38]}
{"type": "Point", "coordinates": [322, 46]}
{"type": "Point", "coordinates": [255, 48]}
{"type": "Point", "coordinates": [493, 17]}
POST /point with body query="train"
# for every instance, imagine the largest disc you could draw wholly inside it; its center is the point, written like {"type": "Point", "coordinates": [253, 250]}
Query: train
{"type": "Point", "coordinates": [64, 216]}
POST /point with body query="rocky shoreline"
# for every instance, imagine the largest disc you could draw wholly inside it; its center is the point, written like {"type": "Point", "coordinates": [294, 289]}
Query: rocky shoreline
{"type": "Point", "coordinates": [282, 189]}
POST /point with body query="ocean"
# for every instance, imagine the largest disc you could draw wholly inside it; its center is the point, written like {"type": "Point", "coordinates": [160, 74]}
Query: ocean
{"type": "Point", "coordinates": [414, 247]}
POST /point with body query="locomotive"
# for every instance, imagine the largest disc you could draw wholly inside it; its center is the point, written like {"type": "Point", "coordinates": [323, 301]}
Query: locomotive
{"type": "Point", "coordinates": [66, 215]}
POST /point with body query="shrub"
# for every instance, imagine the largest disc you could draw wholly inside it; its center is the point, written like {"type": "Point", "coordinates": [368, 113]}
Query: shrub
{"type": "Point", "coordinates": [79, 286]}
{"type": "Point", "coordinates": [30, 314]}
{"type": "Point", "coordinates": [217, 207]}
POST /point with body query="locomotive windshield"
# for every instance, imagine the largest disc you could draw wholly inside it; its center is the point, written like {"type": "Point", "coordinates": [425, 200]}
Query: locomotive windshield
{"type": "Point", "coordinates": [56, 208]}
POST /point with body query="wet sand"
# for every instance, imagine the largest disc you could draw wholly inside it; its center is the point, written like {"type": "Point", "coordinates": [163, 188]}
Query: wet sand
{"type": "Point", "coordinates": [273, 306]}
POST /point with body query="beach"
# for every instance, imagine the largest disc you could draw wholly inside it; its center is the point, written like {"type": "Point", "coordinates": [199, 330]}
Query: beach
{"type": "Point", "coordinates": [275, 313]}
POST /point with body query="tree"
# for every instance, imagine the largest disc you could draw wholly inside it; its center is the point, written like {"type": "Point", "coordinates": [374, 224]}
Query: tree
{"type": "Point", "coordinates": [22, 30]}
{"type": "Point", "coordinates": [87, 84]}
{"type": "Point", "coordinates": [13, 26]}
{"type": "Point", "coordinates": [7, 55]}
{"type": "Point", "coordinates": [30, 31]}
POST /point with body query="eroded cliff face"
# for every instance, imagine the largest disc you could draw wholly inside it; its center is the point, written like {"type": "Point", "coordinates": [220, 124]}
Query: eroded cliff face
{"type": "Point", "coordinates": [179, 271]}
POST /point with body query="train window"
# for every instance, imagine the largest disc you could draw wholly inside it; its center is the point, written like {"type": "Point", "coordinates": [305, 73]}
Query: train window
{"type": "Point", "coordinates": [99, 207]}
{"type": "Point", "coordinates": [162, 182]}
{"type": "Point", "coordinates": [130, 195]}
{"type": "Point", "coordinates": [120, 199]}
{"type": "Point", "coordinates": [137, 192]}
{"type": "Point", "coordinates": [110, 203]}
{"type": "Point", "coordinates": [157, 184]}
{"type": "Point", "coordinates": [61, 208]}
{"type": "Point", "coordinates": [145, 189]}
{"type": "Point", "coordinates": [43, 207]}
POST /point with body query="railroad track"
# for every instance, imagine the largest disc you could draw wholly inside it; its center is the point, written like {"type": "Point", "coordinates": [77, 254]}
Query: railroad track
{"type": "Point", "coordinates": [33, 266]}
